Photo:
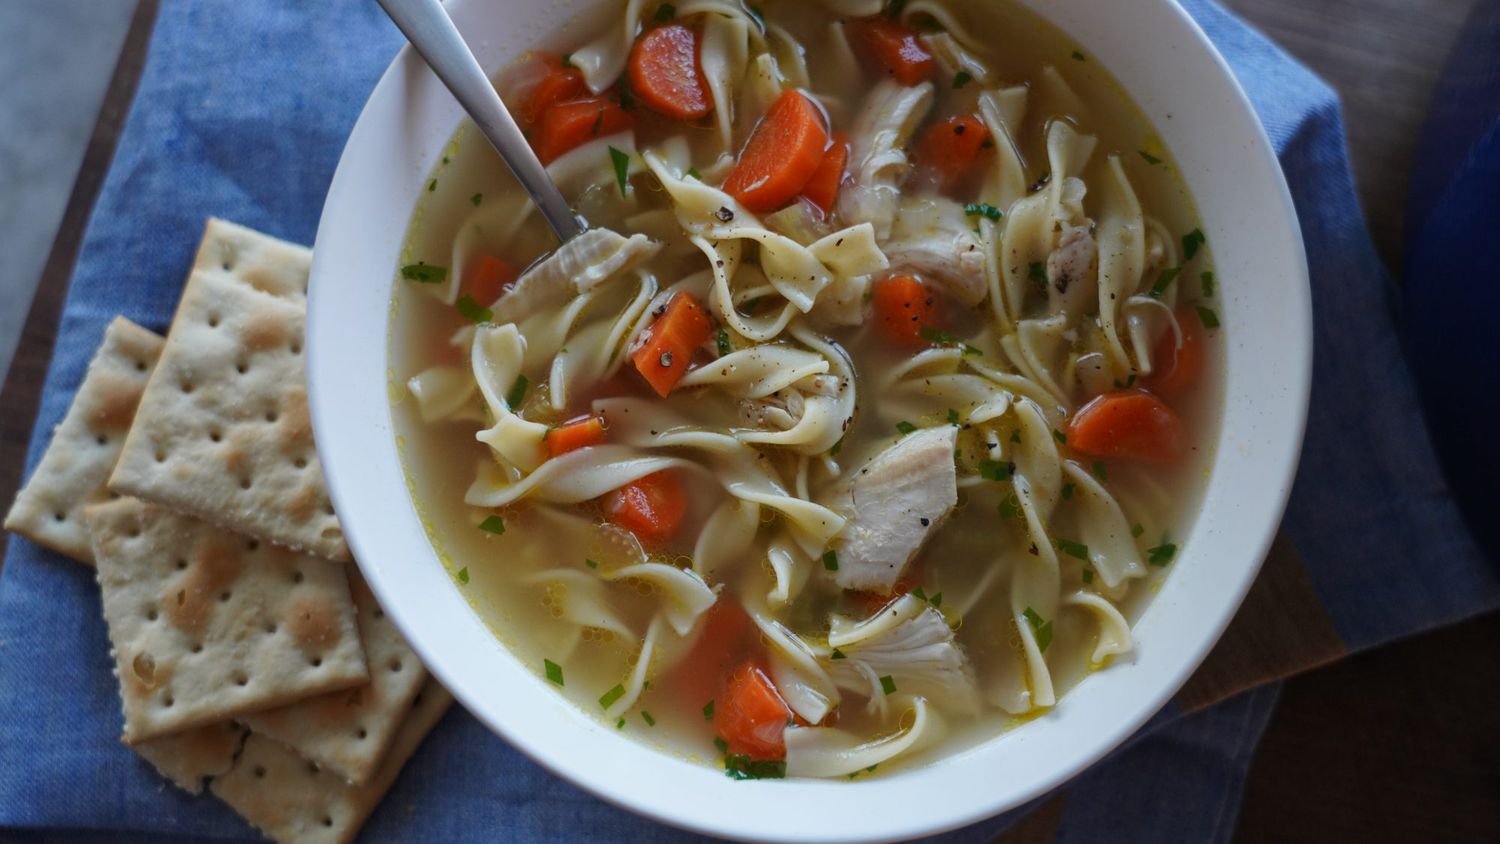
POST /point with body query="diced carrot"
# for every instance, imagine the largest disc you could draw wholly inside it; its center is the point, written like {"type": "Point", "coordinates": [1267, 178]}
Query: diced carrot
{"type": "Point", "coordinates": [665, 75]}
{"type": "Point", "coordinates": [782, 154]}
{"type": "Point", "coordinates": [1175, 369]}
{"type": "Point", "coordinates": [751, 715]}
{"type": "Point", "coordinates": [1129, 424]}
{"type": "Point", "coordinates": [823, 188]}
{"type": "Point", "coordinates": [651, 507]}
{"type": "Point", "coordinates": [726, 639]}
{"type": "Point", "coordinates": [903, 307]}
{"type": "Point", "coordinates": [569, 124]}
{"type": "Point", "coordinates": [892, 48]}
{"type": "Point", "coordinates": [486, 279]}
{"type": "Point", "coordinates": [947, 152]}
{"type": "Point", "coordinates": [545, 83]}
{"type": "Point", "coordinates": [667, 346]}
{"type": "Point", "coordinates": [579, 433]}
{"type": "Point", "coordinates": [873, 602]}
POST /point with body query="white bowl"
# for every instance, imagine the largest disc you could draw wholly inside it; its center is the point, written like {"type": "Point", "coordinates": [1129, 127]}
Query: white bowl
{"type": "Point", "coordinates": [1164, 60]}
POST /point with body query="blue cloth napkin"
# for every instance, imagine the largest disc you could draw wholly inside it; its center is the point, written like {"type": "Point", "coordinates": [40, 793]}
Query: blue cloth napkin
{"type": "Point", "coordinates": [242, 112]}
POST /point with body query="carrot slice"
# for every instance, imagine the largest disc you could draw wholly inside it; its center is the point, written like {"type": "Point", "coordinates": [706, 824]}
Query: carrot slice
{"type": "Point", "coordinates": [751, 715]}
{"type": "Point", "coordinates": [1176, 369]}
{"type": "Point", "coordinates": [726, 638]}
{"type": "Point", "coordinates": [667, 346]}
{"type": "Point", "coordinates": [579, 433]}
{"type": "Point", "coordinates": [947, 152]}
{"type": "Point", "coordinates": [486, 279]}
{"type": "Point", "coordinates": [903, 307]}
{"type": "Point", "coordinates": [873, 602]}
{"type": "Point", "coordinates": [823, 188]}
{"type": "Point", "coordinates": [548, 82]}
{"type": "Point", "coordinates": [566, 125]}
{"type": "Point", "coordinates": [651, 507]}
{"type": "Point", "coordinates": [782, 154]}
{"type": "Point", "coordinates": [892, 48]}
{"type": "Point", "coordinates": [1130, 424]}
{"type": "Point", "coordinates": [665, 75]}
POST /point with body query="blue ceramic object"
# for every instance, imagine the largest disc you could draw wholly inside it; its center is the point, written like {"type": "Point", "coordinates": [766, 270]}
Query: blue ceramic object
{"type": "Point", "coordinates": [1452, 288]}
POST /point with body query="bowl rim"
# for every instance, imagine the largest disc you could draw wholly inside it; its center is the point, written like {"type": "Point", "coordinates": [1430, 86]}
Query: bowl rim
{"type": "Point", "coordinates": [541, 724]}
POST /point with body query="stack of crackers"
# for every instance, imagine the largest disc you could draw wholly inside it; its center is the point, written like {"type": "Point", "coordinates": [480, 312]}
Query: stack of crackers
{"type": "Point", "coordinates": [253, 661]}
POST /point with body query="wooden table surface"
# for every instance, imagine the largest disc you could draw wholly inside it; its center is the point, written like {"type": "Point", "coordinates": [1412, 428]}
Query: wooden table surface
{"type": "Point", "coordinates": [1400, 744]}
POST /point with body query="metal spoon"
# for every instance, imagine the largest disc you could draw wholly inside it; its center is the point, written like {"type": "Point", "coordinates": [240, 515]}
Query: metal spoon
{"type": "Point", "coordinates": [426, 24]}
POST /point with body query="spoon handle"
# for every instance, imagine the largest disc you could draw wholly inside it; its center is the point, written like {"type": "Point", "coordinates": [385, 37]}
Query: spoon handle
{"type": "Point", "coordinates": [429, 29]}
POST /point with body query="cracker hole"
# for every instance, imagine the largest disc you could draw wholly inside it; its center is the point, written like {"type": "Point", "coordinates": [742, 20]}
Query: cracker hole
{"type": "Point", "coordinates": [198, 648]}
{"type": "Point", "coordinates": [395, 665]}
{"type": "Point", "coordinates": [379, 613]}
{"type": "Point", "coordinates": [300, 463]}
{"type": "Point", "coordinates": [161, 456]}
{"type": "Point", "coordinates": [167, 701]}
{"type": "Point", "coordinates": [213, 320]}
{"type": "Point", "coordinates": [416, 701]}
{"type": "Point", "coordinates": [133, 533]}
{"type": "Point", "coordinates": [271, 629]}
{"type": "Point", "coordinates": [140, 366]}
{"type": "Point", "coordinates": [241, 367]}
{"type": "Point", "coordinates": [296, 348]}
{"type": "Point", "coordinates": [328, 507]}
{"type": "Point", "coordinates": [114, 496]}
{"type": "Point", "coordinates": [151, 614]}
{"type": "Point", "coordinates": [260, 772]}
{"type": "Point", "coordinates": [241, 680]}
{"type": "Point", "coordinates": [224, 597]}
{"type": "Point", "coordinates": [181, 564]}
{"type": "Point", "coordinates": [252, 544]}
{"type": "Point", "coordinates": [227, 266]}
{"type": "Point", "coordinates": [215, 434]}
{"type": "Point", "coordinates": [271, 416]}
{"type": "Point", "coordinates": [297, 577]}
{"type": "Point", "coordinates": [312, 768]}
{"type": "Point", "coordinates": [244, 483]}
{"type": "Point", "coordinates": [327, 821]}
{"type": "Point", "coordinates": [60, 516]}
{"type": "Point", "coordinates": [316, 662]}
{"type": "Point", "coordinates": [101, 439]}
{"type": "Point", "coordinates": [362, 733]}
{"type": "Point", "coordinates": [187, 387]}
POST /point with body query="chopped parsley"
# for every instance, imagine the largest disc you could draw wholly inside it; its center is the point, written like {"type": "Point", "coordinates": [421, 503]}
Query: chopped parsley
{"type": "Point", "coordinates": [1162, 554]}
{"type": "Point", "coordinates": [621, 160]}
{"type": "Point", "coordinates": [693, 173]}
{"type": "Point", "coordinates": [1079, 56]}
{"type": "Point", "coordinates": [1190, 243]}
{"type": "Point", "coordinates": [1037, 272]}
{"type": "Point", "coordinates": [837, 654]}
{"type": "Point", "coordinates": [723, 342]}
{"type": "Point", "coordinates": [1207, 316]}
{"type": "Point", "coordinates": [517, 392]}
{"type": "Point", "coordinates": [591, 564]}
{"type": "Point", "coordinates": [620, 724]}
{"type": "Point", "coordinates": [1042, 630]}
{"type": "Point", "coordinates": [905, 427]}
{"type": "Point", "coordinates": [608, 698]}
{"type": "Point", "coordinates": [432, 186]}
{"type": "Point", "coordinates": [708, 711]}
{"type": "Point", "coordinates": [943, 338]}
{"type": "Point", "coordinates": [1076, 550]}
{"type": "Point", "coordinates": [721, 744]}
{"type": "Point", "coordinates": [1163, 281]}
{"type": "Point", "coordinates": [1207, 278]}
{"type": "Point", "coordinates": [1101, 470]}
{"type": "Point", "coordinates": [961, 79]}
{"type": "Point", "coordinates": [463, 575]}
{"type": "Point", "coordinates": [1088, 575]}
{"type": "Point", "coordinates": [1067, 491]}
{"type": "Point", "coordinates": [831, 560]}
{"type": "Point", "coordinates": [1015, 436]}
{"type": "Point", "coordinates": [1062, 439]}
{"type": "Point", "coordinates": [837, 447]}
{"type": "Point", "coordinates": [982, 209]}
{"type": "Point", "coordinates": [952, 416]}
{"type": "Point", "coordinates": [554, 671]}
{"type": "Point", "coordinates": [646, 716]}
{"type": "Point", "coordinates": [1150, 159]}
{"type": "Point", "coordinates": [937, 599]}
{"type": "Point", "coordinates": [493, 524]}
{"type": "Point", "coordinates": [567, 60]}
{"type": "Point", "coordinates": [1126, 384]}
{"type": "Point", "coordinates": [1010, 508]}
{"type": "Point", "coordinates": [888, 684]}
{"type": "Point", "coordinates": [1137, 530]}
{"type": "Point", "coordinates": [738, 766]}
{"type": "Point", "coordinates": [919, 593]}
{"type": "Point", "coordinates": [666, 12]}
{"type": "Point", "coordinates": [424, 273]}
{"type": "Point", "coordinates": [473, 311]}
{"type": "Point", "coordinates": [994, 470]}
{"type": "Point", "coordinates": [476, 199]}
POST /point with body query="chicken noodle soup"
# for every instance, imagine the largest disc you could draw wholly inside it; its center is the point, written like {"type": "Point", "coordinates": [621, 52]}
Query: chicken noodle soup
{"type": "Point", "coordinates": [860, 425]}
